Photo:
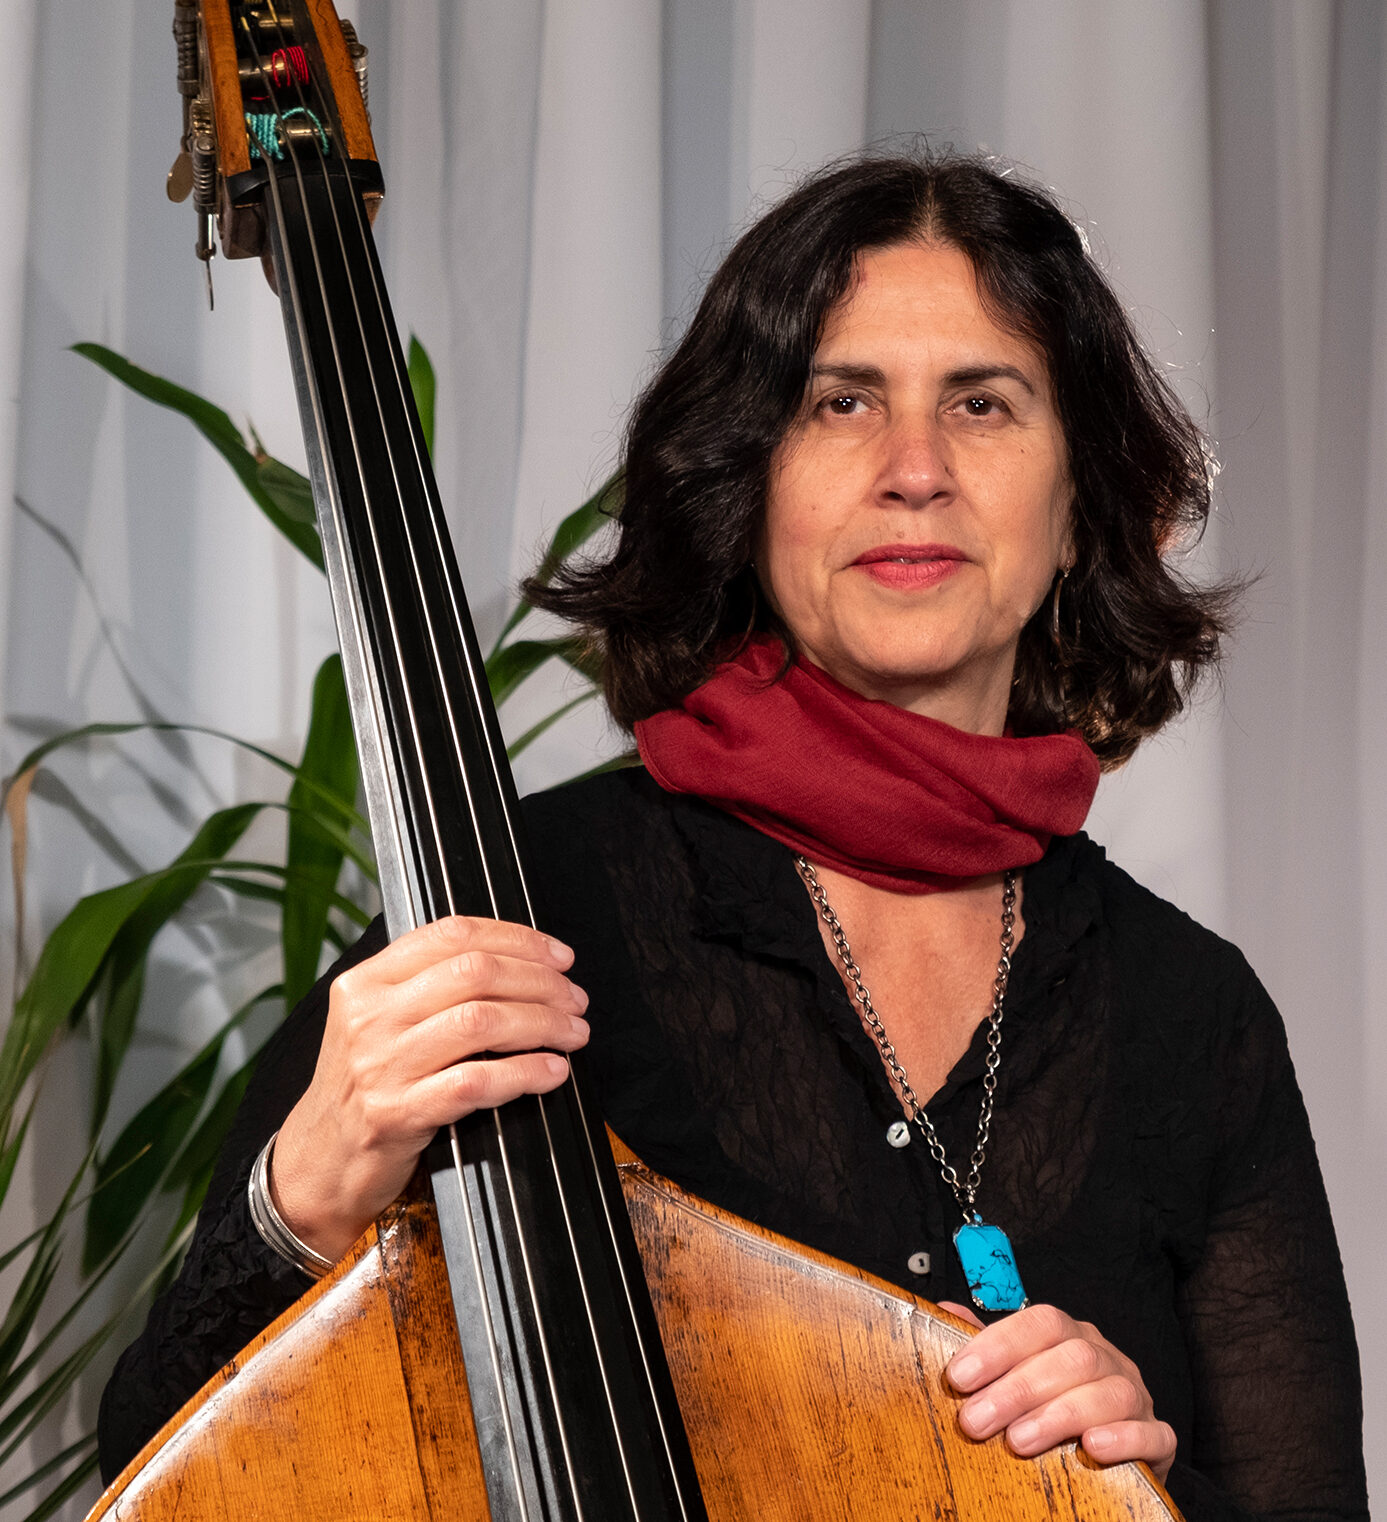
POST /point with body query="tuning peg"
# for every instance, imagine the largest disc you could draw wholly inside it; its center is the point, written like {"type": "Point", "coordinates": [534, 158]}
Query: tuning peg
{"type": "Point", "coordinates": [357, 52]}
{"type": "Point", "coordinates": [179, 185]}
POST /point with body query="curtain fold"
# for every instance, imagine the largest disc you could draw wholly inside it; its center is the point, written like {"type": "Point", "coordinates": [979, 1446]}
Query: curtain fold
{"type": "Point", "coordinates": [15, 171]}
{"type": "Point", "coordinates": [1302, 272]}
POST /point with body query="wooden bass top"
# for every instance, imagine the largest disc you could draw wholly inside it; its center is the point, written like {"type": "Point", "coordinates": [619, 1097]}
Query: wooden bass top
{"type": "Point", "coordinates": [812, 1392]}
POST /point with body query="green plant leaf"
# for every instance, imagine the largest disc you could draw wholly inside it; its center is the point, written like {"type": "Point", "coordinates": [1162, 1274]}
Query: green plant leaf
{"type": "Point", "coordinates": [84, 1445]}
{"type": "Point", "coordinates": [9, 1156]}
{"type": "Point", "coordinates": [318, 816]}
{"type": "Point", "coordinates": [62, 979]}
{"type": "Point", "coordinates": [573, 532]}
{"type": "Point", "coordinates": [314, 861]}
{"type": "Point", "coordinates": [10, 1254]}
{"type": "Point", "coordinates": [548, 721]}
{"type": "Point", "coordinates": [27, 1412]}
{"type": "Point", "coordinates": [580, 525]}
{"type": "Point", "coordinates": [27, 1299]}
{"type": "Point", "coordinates": [84, 732]}
{"type": "Point", "coordinates": [140, 1157]}
{"type": "Point", "coordinates": [166, 893]}
{"type": "Point", "coordinates": [192, 1172]}
{"type": "Point", "coordinates": [219, 431]}
{"type": "Point", "coordinates": [290, 488]}
{"type": "Point", "coordinates": [510, 665]}
{"type": "Point", "coordinates": [275, 893]}
{"type": "Point", "coordinates": [107, 934]}
{"type": "Point", "coordinates": [156, 1148]}
{"type": "Point", "coordinates": [27, 1302]}
{"type": "Point", "coordinates": [21, 1419]}
{"type": "Point", "coordinates": [291, 509]}
{"type": "Point", "coordinates": [68, 737]}
{"type": "Point", "coordinates": [424, 386]}
{"type": "Point", "coordinates": [507, 667]}
{"type": "Point", "coordinates": [61, 1493]}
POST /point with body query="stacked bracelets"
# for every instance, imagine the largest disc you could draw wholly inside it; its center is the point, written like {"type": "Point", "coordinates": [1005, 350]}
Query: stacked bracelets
{"type": "Point", "coordinates": [273, 1228]}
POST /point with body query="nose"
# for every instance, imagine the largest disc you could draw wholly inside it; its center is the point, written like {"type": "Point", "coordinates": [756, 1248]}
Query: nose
{"type": "Point", "coordinates": [916, 465]}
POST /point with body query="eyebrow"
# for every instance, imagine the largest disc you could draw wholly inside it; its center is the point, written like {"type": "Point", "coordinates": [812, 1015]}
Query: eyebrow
{"type": "Point", "coordinates": [976, 375]}
{"type": "Point", "coordinates": [971, 375]}
{"type": "Point", "coordinates": [849, 375]}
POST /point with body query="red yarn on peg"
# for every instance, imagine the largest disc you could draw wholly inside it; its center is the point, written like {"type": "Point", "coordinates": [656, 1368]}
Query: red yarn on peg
{"type": "Point", "coordinates": [288, 65]}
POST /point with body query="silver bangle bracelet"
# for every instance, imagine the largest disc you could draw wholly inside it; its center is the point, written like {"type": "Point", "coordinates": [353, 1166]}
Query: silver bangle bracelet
{"type": "Point", "coordinates": [274, 1230]}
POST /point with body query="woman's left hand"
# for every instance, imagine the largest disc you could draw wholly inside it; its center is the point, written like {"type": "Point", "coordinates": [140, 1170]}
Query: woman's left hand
{"type": "Point", "coordinates": [1046, 1379]}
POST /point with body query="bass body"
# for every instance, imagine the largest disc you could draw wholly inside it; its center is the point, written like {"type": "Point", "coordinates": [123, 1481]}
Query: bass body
{"type": "Point", "coordinates": [811, 1392]}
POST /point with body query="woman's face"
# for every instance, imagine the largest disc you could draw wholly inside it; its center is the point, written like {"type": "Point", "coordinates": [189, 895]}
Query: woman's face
{"type": "Point", "coordinates": [918, 508]}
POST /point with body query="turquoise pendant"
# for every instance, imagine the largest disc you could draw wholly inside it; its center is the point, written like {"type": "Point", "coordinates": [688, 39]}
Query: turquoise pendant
{"type": "Point", "coordinates": [989, 1265]}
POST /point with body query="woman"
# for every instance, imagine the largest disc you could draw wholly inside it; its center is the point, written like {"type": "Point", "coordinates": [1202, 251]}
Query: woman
{"type": "Point", "coordinates": [888, 591]}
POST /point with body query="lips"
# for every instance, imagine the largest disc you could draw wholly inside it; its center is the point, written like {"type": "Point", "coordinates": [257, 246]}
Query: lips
{"type": "Point", "coordinates": [909, 554]}
{"type": "Point", "coordinates": [910, 565]}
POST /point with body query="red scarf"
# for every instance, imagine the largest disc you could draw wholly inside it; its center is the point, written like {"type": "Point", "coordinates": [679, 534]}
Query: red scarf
{"type": "Point", "coordinates": [889, 796]}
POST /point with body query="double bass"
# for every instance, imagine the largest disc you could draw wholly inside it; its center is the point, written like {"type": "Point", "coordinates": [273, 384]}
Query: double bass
{"type": "Point", "coordinates": [541, 1329]}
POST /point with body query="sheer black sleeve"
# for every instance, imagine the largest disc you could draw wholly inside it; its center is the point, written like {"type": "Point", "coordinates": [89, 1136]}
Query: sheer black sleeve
{"type": "Point", "coordinates": [1150, 1154]}
{"type": "Point", "coordinates": [231, 1286]}
{"type": "Point", "coordinates": [1278, 1410]}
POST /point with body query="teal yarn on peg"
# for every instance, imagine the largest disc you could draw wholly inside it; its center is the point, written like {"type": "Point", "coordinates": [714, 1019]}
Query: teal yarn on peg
{"type": "Point", "coordinates": [264, 130]}
{"type": "Point", "coordinates": [263, 127]}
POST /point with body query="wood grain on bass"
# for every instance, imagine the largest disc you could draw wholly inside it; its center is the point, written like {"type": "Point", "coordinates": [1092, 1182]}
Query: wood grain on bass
{"type": "Point", "coordinates": [345, 1418]}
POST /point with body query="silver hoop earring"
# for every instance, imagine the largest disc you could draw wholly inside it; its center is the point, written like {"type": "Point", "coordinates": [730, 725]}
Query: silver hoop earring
{"type": "Point", "coordinates": [1055, 605]}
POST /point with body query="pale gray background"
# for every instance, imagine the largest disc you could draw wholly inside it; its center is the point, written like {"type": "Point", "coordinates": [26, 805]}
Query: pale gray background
{"type": "Point", "coordinates": [561, 178]}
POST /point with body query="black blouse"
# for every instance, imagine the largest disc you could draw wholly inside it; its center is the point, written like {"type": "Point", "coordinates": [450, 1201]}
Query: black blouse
{"type": "Point", "coordinates": [1150, 1154]}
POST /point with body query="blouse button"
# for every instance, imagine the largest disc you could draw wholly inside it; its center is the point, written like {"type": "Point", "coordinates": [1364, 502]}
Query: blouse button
{"type": "Point", "coordinates": [898, 1133]}
{"type": "Point", "coordinates": [918, 1263]}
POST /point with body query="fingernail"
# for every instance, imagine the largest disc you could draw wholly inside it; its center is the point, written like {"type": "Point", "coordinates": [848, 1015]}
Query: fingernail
{"type": "Point", "coordinates": [580, 998]}
{"type": "Point", "coordinates": [579, 1027]}
{"type": "Point", "coordinates": [560, 953]}
{"type": "Point", "coordinates": [1023, 1435]}
{"type": "Point", "coordinates": [977, 1417]}
{"type": "Point", "coordinates": [1099, 1439]}
{"type": "Point", "coordinates": [964, 1371]}
{"type": "Point", "coordinates": [558, 1066]}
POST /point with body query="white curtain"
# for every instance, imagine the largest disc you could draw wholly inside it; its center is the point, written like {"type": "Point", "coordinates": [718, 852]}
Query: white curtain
{"type": "Point", "coordinates": [562, 175]}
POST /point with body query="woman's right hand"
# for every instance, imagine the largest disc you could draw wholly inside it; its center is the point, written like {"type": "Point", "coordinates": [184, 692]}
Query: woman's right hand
{"type": "Point", "coordinates": [399, 1060]}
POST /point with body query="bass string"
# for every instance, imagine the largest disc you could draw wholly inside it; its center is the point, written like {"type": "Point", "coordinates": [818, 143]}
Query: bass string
{"type": "Point", "coordinates": [385, 435]}
{"type": "Point", "coordinates": [481, 696]}
{"type": "Point", "coordinates": [527, 1253]}
{"type": "Point", "coordinates": [490, 1330]}
{"type": "Point", "coordinates": [393, 854]}
{"type": "Point", "coordinates": [423, 476]}
{"type": "Point", "coordinates": [292, 273]}
{"type": "Point", "coordinates": [507, 1170]}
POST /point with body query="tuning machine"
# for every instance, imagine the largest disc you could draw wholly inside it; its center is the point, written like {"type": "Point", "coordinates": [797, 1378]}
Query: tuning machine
{"type": "Point", "coordinates": [194, 171]}
{"type": "Point", "coordinates": [258, 78]}
{"type": "Point", "coordinates": [357, 52]}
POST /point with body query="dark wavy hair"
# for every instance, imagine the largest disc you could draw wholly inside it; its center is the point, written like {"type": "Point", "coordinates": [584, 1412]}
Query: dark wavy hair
{"type": "Point", "coordinates": [678, 587]}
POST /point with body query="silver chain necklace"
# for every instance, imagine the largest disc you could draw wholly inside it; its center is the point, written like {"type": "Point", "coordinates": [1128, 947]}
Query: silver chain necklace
{"type": "Point", "coordinates": [985, 1252]}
